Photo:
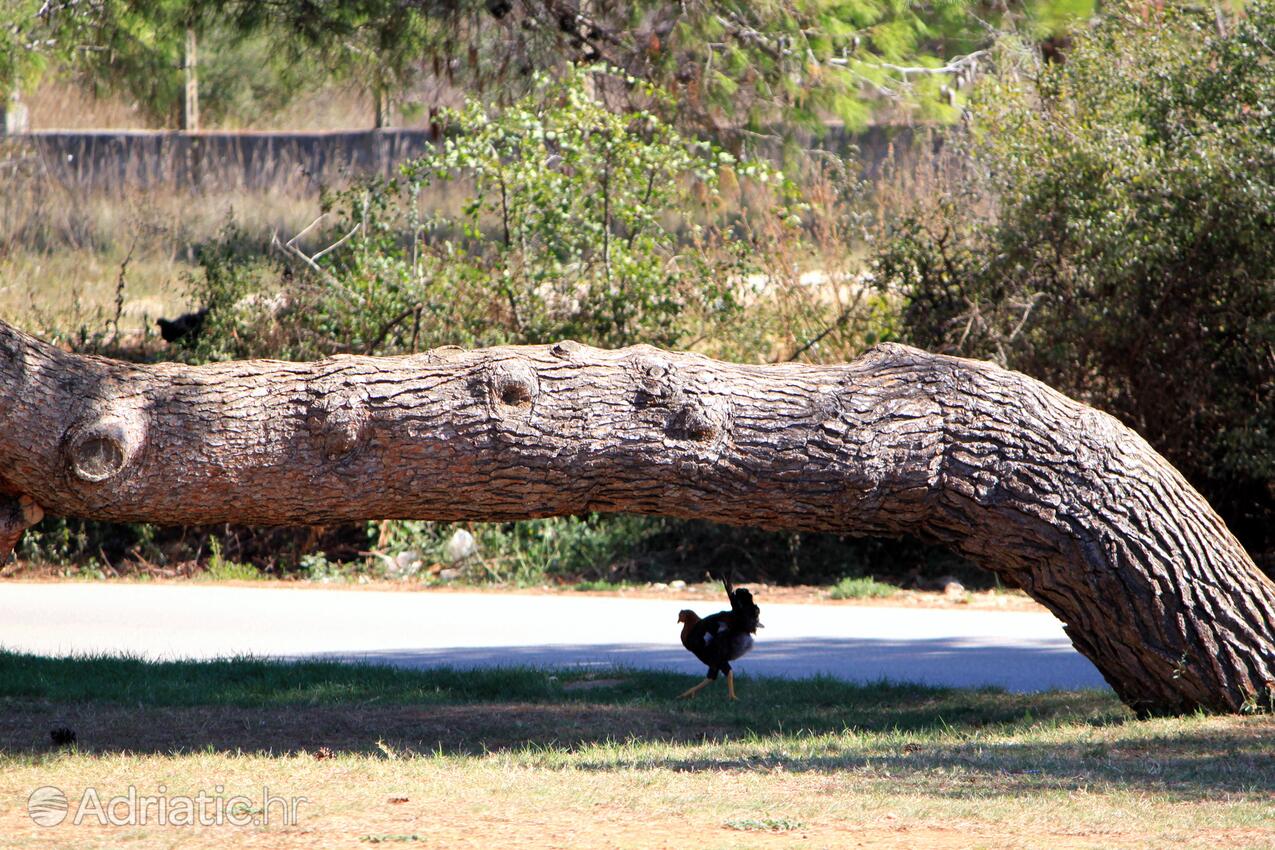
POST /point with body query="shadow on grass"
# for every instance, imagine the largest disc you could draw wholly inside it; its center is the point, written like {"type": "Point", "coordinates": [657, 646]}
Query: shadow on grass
{"type": "Point", "coordinates": [1016, 664]}
{"type": "Point", "coordinates": [982, 740]}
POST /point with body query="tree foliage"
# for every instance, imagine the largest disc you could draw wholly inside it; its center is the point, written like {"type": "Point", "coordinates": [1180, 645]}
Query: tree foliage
{"type": "Point", "coordinates": [778, 63]}
{"type": "Point", "coordinates": [760, 65]}
{"type": "Point", "coordinates": [1116, 241]}
{"type": "Point", "coordinates": [136, 50]}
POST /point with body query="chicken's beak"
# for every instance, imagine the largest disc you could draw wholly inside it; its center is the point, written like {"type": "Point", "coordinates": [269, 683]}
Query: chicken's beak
{"type": "Point", "coordinates": [761, 625]}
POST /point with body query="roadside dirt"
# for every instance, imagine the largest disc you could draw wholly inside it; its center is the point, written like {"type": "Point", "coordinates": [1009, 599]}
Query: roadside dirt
{"type": "Point", "coordinates": [1005, 600]}
{"type": "Point", "coordinates": [412, 818]}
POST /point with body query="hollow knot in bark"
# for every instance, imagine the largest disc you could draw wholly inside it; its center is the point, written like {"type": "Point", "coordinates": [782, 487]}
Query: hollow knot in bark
{"type": "Point", "coordinates": [512, 384]}
{"type": "Point", "coordinates": [103, 445]}
{"type": "Point", "coordinates": [337, 419]}
{"type": "Point", "coordinates": [698, 421]}
{"type": "Point", "coordinates": [824, 406]}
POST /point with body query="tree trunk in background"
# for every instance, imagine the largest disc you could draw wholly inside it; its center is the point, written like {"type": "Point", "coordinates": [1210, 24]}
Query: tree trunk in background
{"type": "Point", "coordinates": [1059, 498]}
{"type": "Point", "coordinates": [381, 98]}
{"type": "Point", "coordinates": [15, 118]}
{"type": "Point", "coordinates": [190, 102]}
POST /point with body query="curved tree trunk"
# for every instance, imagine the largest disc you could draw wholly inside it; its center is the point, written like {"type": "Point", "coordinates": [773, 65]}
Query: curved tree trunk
{"type": "Point", "coordinates": [1062, 499]}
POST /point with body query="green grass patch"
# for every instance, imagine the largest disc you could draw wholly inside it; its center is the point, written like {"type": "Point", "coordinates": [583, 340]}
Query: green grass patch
{"type": "Point", "coordinates": [603, 585]}
{"type": "Point", "coordinates": [764, 824]}
{"type": "Point", "coordinates": [861, 588]}
{"type": "Point", "coordinates": [818, 704]}
{"type": "Point", "coordinates": [220, 570]}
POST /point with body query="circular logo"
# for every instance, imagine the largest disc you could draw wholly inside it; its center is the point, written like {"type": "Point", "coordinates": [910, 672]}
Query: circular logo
{"type": "Point", "coordinates": [47, 806]}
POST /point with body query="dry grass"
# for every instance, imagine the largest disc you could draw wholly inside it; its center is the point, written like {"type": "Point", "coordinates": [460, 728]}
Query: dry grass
{"type": "Point", "coordinates": [440, 759]}
{"type": "Point", "coordinates": [76, 289]}
{"type": "Point", "coordinates": [61, 105]}
{"type": "Point", "coordinates": [1072, 785]}
{"type": "Point", "coordinates": [62, 251]}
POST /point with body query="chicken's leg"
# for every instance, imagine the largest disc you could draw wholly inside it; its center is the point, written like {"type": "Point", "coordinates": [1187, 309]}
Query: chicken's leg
{"type": "Point", "coordinates": [693, 691]}
{"type": "Point", "coordinates": [730, 684]}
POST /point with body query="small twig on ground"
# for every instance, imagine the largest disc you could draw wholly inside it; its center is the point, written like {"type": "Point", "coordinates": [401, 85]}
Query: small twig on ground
{"type": "Point", "coordinates": [107, 562]}
{"type": "Point", "coordinates": [121, 282]}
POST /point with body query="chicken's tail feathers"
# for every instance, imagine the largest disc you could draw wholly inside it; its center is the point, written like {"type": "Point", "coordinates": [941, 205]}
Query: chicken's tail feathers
{"type": "Point", "coordinates": [741, 602]}
{"type": "Point", "coordinates": [727, 580]}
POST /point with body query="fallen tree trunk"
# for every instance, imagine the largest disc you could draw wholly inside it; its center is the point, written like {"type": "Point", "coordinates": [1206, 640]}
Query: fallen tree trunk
{"type": "Point", "coordinates": [1061, 499]}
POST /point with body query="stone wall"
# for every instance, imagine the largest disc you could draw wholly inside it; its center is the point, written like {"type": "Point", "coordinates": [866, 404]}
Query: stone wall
{"type": "Point", "coordinates": [111, 159]}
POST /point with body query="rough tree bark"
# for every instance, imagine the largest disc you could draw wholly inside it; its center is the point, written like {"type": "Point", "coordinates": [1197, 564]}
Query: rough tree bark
{"type": "Point", "coordinates": [1062, 499]}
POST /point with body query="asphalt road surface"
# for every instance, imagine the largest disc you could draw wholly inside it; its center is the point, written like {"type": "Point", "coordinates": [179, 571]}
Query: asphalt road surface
{"type": "Point", "coordinates": [1020, 651]}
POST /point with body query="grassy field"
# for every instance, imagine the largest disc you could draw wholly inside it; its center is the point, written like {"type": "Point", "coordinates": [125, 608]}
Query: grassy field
{"type": "Point", "coordinates": [65, 258]}
{"type": "Point", "coordinates": [524, 757]}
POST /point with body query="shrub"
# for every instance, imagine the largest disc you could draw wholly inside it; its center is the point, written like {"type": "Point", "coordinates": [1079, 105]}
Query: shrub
{"type": "Point", "coordinates": [609, 549]}
{"type": "Point", "coordinates": [862, 588]}
{"type": "Point", "coordinates": [551, 218]}
{"type": "Point", "coordinates": [1117, 241]}
{"type": "Point", "coordinates": [560, 549]}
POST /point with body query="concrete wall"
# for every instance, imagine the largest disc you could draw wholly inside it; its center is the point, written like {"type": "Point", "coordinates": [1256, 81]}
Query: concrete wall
{"type": "Point", "coordinates": [110, 160]}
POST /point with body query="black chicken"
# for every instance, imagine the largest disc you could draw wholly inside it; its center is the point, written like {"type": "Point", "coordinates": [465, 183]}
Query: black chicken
{"type": "Point", "coordinates": [185, 325]}
{"type": "Point", "coordinates": [722, 638]}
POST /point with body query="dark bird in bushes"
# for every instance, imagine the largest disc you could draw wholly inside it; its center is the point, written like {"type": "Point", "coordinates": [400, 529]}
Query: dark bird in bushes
{"type": "Point", "coordinates": [722, 638]}
{"type": "Point", "coordinates": [187, 325]}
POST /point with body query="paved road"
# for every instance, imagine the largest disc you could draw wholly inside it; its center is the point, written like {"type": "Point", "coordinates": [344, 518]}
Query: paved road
{"type": "Point", "coordinates": [1020, 651]}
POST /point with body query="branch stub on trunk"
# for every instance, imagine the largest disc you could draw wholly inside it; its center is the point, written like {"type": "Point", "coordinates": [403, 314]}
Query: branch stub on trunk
{"type": "Point", "coordinates": [337, 419]}
{"type": "Point", "coordinates": [513, 383]}
{"type": "Point", "coordinates": [101, 446]}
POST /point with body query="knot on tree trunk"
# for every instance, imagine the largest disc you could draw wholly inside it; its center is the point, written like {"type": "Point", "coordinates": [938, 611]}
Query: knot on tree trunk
{"type": "Point", "coordinates": [512, 384]}
{"type": "Point", "coordinates": [699, 420]}
{"type": "Point", "coordinates": [102, 445]}
{"type": "Point", "coordinates": [337, 418]}
{"type": "Point", "coordinates": [658, 384]}
{"type": "Point", "coordinates": [565, 349]}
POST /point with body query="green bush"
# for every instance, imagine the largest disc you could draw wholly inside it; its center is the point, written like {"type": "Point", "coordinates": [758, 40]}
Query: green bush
{"type": "Point", "coordinates": [64, 541]}
{"type": "Point", "coordinates": [1116, 241]}
{"type": "Point", "coordinates": [610, 549]}
{"type": "Point", "coordinates": [553, 217]}
{"type": "Point", "coordinates": [220, 568]}
{"type": "Point", "coordinates": [558, 550]}
{"type": "Point", "coordinates": [862, 588]}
